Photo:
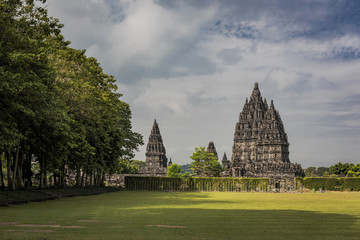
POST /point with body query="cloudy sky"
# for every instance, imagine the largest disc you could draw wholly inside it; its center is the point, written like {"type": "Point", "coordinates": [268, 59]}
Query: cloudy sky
{"type": "Point", "coordinates": [191, 64]}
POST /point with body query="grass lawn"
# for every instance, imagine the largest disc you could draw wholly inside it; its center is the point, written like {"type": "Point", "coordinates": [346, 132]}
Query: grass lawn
{"type": "Point", "coordinates": [165, 215]}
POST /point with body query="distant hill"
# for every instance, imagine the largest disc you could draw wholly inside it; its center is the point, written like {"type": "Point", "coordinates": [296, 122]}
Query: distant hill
{"type": "Point", "coordinates": [186, 168]}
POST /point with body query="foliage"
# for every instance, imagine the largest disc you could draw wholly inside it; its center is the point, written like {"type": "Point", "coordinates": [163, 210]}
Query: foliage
{"type": "Point", "coordinates": [331, 183]}
{"type": "Point", "coordinates": [59, 108]}
{"type": "Point", "coordinates": [315, 172]}
{"type": "Point", "coordinates": [186, 168]}
{"type": "Point", "coordinates": [340, 169]}
{"type": "Point", "coordinates": [350, 184]}
{"type": "Point", "coordinates": [174, 170]}
{"type": "Point", "coordinates": [323, 183]}
{"type": "Point", "coordinates": [354, 171]}
{"type": "Point", "coordinates": [205, 164]}
{"type": "Point", "coordinates": [127, 167]}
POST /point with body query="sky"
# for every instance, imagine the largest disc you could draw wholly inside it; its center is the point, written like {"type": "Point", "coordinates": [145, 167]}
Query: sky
{"type": "Point", "coordinates": [191, 64]}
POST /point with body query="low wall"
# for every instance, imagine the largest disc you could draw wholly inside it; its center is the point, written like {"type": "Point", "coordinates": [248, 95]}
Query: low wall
{"type": "Point", "coordinates": [197, 184]}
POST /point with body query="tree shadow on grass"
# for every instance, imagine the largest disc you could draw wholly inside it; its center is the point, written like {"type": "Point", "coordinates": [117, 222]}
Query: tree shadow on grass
{"type": "Point", "coordinates": [242, 224]}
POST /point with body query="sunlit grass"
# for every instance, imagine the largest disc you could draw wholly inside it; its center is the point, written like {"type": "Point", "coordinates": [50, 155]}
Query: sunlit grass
{"type": "Point", "coordinates": [126, 215]}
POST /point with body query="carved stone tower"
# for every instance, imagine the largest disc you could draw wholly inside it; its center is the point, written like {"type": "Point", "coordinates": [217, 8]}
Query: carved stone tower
{"type": "Point", "coordinates": [226, 165]}
{"type": "Point", "coordinates": [211, 149]}
{"type": "Point", "coordinates": [156, 160]}
{"type": "Point", "coordinates": [261, 147]}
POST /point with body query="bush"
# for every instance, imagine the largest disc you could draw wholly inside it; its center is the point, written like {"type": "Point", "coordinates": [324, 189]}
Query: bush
{"type": "Point", "coordinates": [331, 183]}
{"type": "Point", "coordinates": [323, 183]}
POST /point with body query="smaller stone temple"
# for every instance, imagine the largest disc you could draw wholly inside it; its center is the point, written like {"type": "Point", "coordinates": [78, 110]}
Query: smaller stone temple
{"type": "Point", "coordinates": [226, 165]}
{"type": "Point", "coordinates": [156, 160]}
{"type": "Point", "coordinates": [211, 149]}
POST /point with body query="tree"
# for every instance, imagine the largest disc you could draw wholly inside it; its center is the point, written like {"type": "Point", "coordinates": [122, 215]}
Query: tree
{"type": "Point", "coordinates": [321, 171]}
{"type": "Point", "coordinates": [311, 172]}
{"type": "Point", "coordinates": [58, 107]}
{"type": "Point", "coordinates": [129, 166]}
{"type": "Point", "coordinates": [340, 169]}
{"type": "Point", "coordinates": [205, 164]}
{"type": "Point", "coordinates": [174, 170]}
{"type": "Point", "coordinates": [354, 171]}
{"type": "Point", "coordinates": [27, 93]}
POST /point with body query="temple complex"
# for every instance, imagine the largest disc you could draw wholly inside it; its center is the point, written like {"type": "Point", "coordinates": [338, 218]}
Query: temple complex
{"type": "Point", "coordinates": [156, 160]}
{"type": "Point", "coordinates": [261, 147]}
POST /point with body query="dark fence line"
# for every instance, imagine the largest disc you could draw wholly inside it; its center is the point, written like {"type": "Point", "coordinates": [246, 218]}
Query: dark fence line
{"type": "Point", "coordinates": [196, 184]}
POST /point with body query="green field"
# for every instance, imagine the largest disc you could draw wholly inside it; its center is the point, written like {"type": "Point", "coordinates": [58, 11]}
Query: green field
{"type": "Point", "coordinates": [166, 215]}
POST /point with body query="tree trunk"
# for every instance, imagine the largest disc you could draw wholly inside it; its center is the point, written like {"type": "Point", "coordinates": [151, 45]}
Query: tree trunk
{"type": "Point", "coordinates": [8, 164]}
{"type": "Point", "coordinates": [62, 175]}
{"type": "Point", "coordinates": [82, 178]}
{"type": "Point", "coordinates": [1, 173]}
{"type": "Point", "coordinates": [42, 170]}
{"type": "Point", "coordinates": [78, 176]}
{"type": "Point", "coordinates": [90, 180]}
{"type": "Point", "coordinates": [45, 180]}
{"type": "Point", "coordinates": [20, 172]}
{"type": "Point", "coordinates": [55, 182]}
{"type": "Point", "coordinates": [13, 183]}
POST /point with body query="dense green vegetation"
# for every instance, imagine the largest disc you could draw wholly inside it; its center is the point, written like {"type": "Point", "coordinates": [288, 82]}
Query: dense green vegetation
{"type": "Point", "coordinates": [329, 183]}
{"type": "Point", "coordinates": [174, 170]}
{"type": "Point", "coordinates": [59, 110]}
{"type": "Point", "coordinates": [164, 215]}
{"type": "Point", "coordinates": [337, 170]}
{"type": "Point", "coordinates": [205, 164]}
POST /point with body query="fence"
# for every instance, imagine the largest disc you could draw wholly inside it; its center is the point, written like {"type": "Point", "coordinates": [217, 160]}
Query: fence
{"type": "Point", "coordinates": [196, 184]}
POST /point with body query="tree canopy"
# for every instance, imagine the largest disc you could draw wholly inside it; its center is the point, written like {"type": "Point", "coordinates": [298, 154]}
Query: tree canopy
{"type": "Point", "coordinates": [174, 170]}
{"type": "Point", "coordinates": [58, 108]}
{"type": "Point", "coordinates": [205, 164]}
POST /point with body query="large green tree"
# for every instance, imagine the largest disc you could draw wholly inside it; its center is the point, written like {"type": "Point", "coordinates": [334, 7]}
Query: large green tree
{"type": "Point", "coordinates": [27, 93]}
{"type": "Point", "coordinates": [205, 164]}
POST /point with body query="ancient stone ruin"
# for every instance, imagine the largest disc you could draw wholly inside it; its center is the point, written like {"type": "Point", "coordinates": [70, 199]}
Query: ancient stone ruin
{"type": "Point", "coordinates": [211, 149]}
{"type": "Point", "coordinates": [156, 160]}
{"type": "Point", "coordinates": [261, 147]}
{"type": "Point", "coordinates": [226, 165]}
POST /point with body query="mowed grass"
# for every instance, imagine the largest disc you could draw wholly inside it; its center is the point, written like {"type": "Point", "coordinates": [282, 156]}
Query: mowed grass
{"type": "Point", "coordinates": [166, 215]}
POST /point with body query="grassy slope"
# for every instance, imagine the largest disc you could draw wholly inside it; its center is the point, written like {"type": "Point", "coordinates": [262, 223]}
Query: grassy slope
{"type": "Point", "coordinates": [124, 215]}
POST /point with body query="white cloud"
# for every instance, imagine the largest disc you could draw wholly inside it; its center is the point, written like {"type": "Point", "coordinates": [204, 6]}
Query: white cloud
{"type": "Point", "coordinates": [192, 64]}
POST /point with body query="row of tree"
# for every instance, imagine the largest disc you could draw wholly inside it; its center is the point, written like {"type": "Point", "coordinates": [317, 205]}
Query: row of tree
{"type": "Point", "coordinates": [59, 110]}
{"type": "Point", "coordinates": [336, 170]}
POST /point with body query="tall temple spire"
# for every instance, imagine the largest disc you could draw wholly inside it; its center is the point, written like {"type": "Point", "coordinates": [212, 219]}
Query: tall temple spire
{"type": "Point", "coordinates": [256, 95]}
{"type": "Point", "coordinates": [260, 141]}
{"type": "Point", "coordinates": [156, 160]}
{"type": "Point", "coordinates": [211, 149]}
{"type": "Point", "coordinates": [224, 159]}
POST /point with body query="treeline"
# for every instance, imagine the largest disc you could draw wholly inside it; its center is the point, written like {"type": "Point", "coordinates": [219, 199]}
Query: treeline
{"type": "Point", "coordinates": [59, 110]}
{"type": "Point", "coordinates": [337, 170]}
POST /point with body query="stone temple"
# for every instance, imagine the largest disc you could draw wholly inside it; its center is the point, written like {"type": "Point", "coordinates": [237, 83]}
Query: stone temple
{"type": "Point", "coordinates": [211, 149]}
{"type": "Point", "coordinates": [261, 147]}
{"type": "Point", "coordinates": [156, 160]}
